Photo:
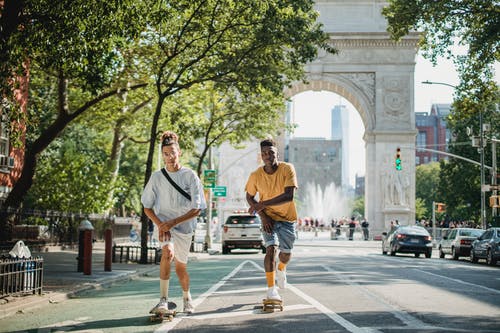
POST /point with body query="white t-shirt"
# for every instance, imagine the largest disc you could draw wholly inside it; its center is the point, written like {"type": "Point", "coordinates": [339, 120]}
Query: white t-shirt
{"type": "Point", "coordinates": [168, 203]}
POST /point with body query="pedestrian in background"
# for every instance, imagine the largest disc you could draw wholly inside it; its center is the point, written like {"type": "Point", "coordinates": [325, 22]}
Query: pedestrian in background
{"type": "Point", "coordinates": [275, 182]}
{"type": "Point", "coordinates": [364, 227]}
{"type": "Point", "coordinates": [352, 226]}
{"type": "Point", "coordinates": [172, 199]}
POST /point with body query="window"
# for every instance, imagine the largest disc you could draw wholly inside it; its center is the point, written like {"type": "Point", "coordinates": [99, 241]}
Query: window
{"type": "Point", "coordinates": [4, 135]}
{"type": "Point", "coordinates": [422, 139]}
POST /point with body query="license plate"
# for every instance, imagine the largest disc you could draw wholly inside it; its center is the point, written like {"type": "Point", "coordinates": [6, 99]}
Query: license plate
{"type": "Point", "coordinates": [414, 240]}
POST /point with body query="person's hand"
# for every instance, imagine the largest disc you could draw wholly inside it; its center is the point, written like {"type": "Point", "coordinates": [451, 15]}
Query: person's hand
{"type": "Point", "coordinates": [258, 207]}
{"type": "Point", "coordinates": [165, 227]}
{"type": "Point", "coordinates": [267, 224]}
{"type": "Point", "coordinates": [164, 236]}
{"type": "Point", "coordinates": [170, 252]}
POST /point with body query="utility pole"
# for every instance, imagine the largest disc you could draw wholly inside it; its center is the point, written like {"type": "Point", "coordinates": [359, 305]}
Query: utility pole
{"type": "Point", "coordinates": [208, 237]}
{"type": "Point", "coordinates": [481, 152]}
{"type": "Point", "coordinates": [494, 141]}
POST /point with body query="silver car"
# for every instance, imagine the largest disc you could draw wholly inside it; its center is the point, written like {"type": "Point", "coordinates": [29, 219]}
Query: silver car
{"type": "Point", "coordinates": [487, 246]}
{"type": "Point", "coordinates": [457, 242]}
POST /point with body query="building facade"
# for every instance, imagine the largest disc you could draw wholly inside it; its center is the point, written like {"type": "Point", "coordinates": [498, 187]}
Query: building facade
{"type": "Point", "coordinates": [432, 133]}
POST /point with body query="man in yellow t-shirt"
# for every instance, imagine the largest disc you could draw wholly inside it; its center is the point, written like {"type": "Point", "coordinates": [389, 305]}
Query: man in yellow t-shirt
{"type": "Point", "coordinates": [275, 182]}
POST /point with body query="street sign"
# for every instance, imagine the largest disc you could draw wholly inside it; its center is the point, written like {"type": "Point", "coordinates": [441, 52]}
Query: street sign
{"type": "Point", "coordinates": [209, 178]}
{"type": "Point", "coordinates": [219, 191]}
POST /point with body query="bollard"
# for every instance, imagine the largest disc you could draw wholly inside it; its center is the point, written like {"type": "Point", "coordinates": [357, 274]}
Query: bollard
{"type": "Point", "coordinates": [108, 240]}
{"type": "Point", "coordinates": [84, 225]}
{"type": "Point", "coordinates": [87, 252]}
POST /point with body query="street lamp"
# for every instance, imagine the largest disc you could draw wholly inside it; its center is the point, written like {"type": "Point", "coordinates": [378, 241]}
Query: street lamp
{"type": "Point", "coordinates": [440, 83]}
{"type": "Point", "coordinates": [481, 154]}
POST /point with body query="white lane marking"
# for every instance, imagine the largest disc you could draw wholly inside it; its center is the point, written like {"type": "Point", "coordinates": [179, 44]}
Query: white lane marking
{"type": "Point", "coordinates": [239, 291]}
{"type": "Point", "coordinates": [460, 281]}
{"type": "Point", "coordinates": [170, 325]}
{"type": "Point", "coordinates": [405, 317]}
{"type": "Point", "coordinates": [247, 312]}
{"type": "Point", "coordinates": [331, 314]}
{"type": "Point", "coordinates": [249, 278]}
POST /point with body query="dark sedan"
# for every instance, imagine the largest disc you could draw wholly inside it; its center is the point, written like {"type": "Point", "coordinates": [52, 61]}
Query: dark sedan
{"type": "Point", "coordinates": [487, 246]}
{"type": "Point", "coordinates": [407, 239]}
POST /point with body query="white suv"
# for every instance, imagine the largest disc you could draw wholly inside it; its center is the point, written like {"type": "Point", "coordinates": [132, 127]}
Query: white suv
{"type": "Point", "coordinates": [242, 231]}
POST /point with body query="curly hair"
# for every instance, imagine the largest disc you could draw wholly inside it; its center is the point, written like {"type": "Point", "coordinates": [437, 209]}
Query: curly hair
{"type": "Point", "coordinates": [169, 138]}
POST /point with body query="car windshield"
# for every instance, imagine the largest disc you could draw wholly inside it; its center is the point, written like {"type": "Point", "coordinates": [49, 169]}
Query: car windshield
{"type": "Point", "coordinates": [471, 232]}
{"type": "Point", "coordinates": [498, 233]}
{"type": "Point", "coordinates": [243, 220]}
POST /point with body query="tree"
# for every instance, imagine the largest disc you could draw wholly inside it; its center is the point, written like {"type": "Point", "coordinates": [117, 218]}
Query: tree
{"type": "Point", "coordinates": [475, 25]}
{"type": "Point", "coordinates": [426, 185]}
{"type": "Point", "coordinates": [77, 43]}
{"type": "Point", "coordinates": [244, 43]}
{"type": "Point", "coordinates": [209, 115]}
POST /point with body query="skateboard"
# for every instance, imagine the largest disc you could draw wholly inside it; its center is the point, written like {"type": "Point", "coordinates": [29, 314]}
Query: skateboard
{"type": "Point", "coordinates": [270, 305]}
{"type": "Point", "coordinates": [161, 316]}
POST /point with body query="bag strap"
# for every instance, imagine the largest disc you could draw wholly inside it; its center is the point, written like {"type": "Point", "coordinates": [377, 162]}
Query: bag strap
{"type": "Point", "coordinates": [181, 191]}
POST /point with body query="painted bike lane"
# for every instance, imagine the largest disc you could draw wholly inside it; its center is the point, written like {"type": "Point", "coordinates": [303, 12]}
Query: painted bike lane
{"type": "Point", "coordinates": [121, 307]}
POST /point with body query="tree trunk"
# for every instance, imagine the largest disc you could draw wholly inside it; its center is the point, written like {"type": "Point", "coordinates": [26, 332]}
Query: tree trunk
{"type": "Point", "coordinates": [149, 167]}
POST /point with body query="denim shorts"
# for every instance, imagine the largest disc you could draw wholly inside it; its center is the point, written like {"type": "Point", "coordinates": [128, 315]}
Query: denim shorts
{"type": "Point", "coordinates": [283, 234]}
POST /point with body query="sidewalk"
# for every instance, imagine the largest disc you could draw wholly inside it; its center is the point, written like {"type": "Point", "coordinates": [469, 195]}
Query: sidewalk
{"type": "Point", "coordinates": [61, 279]}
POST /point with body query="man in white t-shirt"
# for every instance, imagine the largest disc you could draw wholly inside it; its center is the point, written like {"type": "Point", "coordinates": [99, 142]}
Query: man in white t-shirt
{"type": "Point", "coordinates": [174, 213]}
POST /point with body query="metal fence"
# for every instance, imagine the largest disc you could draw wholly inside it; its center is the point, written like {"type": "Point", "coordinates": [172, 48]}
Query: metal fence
{"type": "Point", "coordinates": [21, 276]}
{"type": "Point", "coordinates": [132, 253]}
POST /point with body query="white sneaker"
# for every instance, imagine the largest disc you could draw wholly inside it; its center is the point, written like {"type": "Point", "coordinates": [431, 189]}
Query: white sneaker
{"type": "Point", "coordinates": [281, 278]}
{"type": "Point", "coordinates": [272, 293]}
{"type": "Point", "coordinates": [161, 307]}
{"type": "Point", "coordinates": [188, 305]}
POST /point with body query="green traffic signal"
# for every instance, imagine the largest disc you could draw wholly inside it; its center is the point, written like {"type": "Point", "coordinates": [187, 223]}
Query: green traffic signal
{"type": "Point", "coordinates": [398, 165]}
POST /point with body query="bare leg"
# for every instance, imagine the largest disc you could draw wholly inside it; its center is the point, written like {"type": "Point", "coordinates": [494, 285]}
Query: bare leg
{"type": "Point", "coordinates": [270, 258]}
{"type": "Point", "coordinates": [182, 274]}
{"type": "Point", "coordinates": [285, 257]}
{"type": "Point", "coordinates": [165, 263]}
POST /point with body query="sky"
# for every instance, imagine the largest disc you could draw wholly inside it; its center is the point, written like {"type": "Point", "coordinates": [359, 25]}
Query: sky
{"type": "Point", "coordinates": [312, 109]}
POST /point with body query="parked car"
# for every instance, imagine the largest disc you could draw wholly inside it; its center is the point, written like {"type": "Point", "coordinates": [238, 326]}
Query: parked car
{"type": "Point", "coordinates": [242, 231]}
{"type": "Point", "coordinates": [458, 242]}
{"type": "Point", "coordinates": [486, 246]}
{"type": "Point", "coordinates": [407, 239]}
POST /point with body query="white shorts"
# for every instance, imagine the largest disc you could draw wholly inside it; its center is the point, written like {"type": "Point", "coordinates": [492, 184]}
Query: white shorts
{"type": "Point", "coordinates": [182, 244]}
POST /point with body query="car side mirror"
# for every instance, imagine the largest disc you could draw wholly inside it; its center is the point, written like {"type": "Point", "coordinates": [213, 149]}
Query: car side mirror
{"type": "Point", "coordinates": [384, 233]}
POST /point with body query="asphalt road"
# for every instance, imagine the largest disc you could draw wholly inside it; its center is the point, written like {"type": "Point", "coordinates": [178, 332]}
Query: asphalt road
{"type": "Point", "coordinates": [332, 288]}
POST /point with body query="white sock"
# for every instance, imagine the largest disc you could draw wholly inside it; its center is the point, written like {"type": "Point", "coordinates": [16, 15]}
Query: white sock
{"type": "Point", "coordinates": [186, 294]}
{"type": "Point", "coordinates": [164, 288]}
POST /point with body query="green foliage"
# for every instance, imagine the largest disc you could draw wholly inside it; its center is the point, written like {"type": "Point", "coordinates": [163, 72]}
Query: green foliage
{"type": "Point", "coordinates": [71, 176]}
{"type": "Point", "coordinates": [426, 186]}
{"type": "Point", "coordinates": [473, 24]}
{"type": "Point", "coordinates": [211, 114]}
{"type": "Point", "coordinates": [421, 211]}
{"type": "Point", "coordinates": [358, 206]}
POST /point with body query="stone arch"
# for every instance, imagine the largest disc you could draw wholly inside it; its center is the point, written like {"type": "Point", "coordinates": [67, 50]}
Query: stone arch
{"type": "Point", "coordinates": [376, 75]}
{"type": "Point", "coordinates": [345, 88]}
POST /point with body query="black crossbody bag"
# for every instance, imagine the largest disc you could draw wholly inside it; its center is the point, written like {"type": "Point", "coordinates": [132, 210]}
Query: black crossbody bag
{"type": "Point", "coordinates": [181, 191]}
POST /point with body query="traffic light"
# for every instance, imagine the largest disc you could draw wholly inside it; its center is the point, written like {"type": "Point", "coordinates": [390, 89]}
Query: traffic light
{"type": "Point", "coordinates": [397, 161]}
{"type": "Point", "coordinates": [441, 207]}
{"type": "Point", "coordinates": [495, 201]}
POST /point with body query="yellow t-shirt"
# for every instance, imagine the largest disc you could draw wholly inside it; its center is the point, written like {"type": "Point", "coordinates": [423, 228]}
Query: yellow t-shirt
{"type": "Point", "coordinates": [270, 186]}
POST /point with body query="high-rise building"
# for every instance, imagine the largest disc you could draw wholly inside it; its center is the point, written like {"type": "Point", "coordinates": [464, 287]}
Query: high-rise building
{"type": "Point", "coordinates": [340, 132]}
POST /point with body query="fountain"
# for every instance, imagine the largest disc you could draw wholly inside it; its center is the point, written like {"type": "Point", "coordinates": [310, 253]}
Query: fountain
{"type": "Point", "coordinates": [327, 205]}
